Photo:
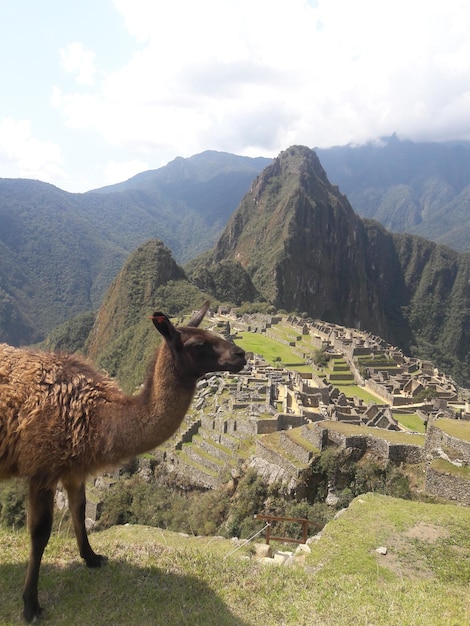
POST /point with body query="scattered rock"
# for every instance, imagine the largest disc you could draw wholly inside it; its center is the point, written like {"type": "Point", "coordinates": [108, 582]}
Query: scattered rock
{"type": "Point", "coordinates": [331, 499]}
{"type": "Point", "coordinates": [303, 547]}
{"type": "Point", "coordinates": [282, 557]}
{"type": "Point", "coordinates": [263, 550]}
{"type": "Point", "coordinates": [339, 513]}
{"type": "Point", "coordinates": [382, 550]}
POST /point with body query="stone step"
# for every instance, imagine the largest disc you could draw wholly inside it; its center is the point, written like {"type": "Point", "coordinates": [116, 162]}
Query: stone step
{"type": "Point", "coordinates": [203, 458]}
{"type": "Point", "coordinates": [229, 442]}
{"type": "Point", "coordinates": [197, 473]}
{"type": "Point", "coordinates": [213, 448]}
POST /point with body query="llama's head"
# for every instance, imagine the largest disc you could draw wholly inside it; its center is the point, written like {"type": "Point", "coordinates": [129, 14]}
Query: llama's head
{"type": "Point", "coordinates": [197, 352]}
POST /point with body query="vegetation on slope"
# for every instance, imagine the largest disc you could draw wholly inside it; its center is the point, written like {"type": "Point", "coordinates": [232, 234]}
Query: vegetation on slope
{"type": "Point", "coordinates": [157, 577]}
{"type": "Point", "coordinates": [123, 340]}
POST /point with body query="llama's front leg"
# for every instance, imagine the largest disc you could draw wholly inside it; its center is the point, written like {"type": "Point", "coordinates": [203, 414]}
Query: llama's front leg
{"type": "Point", "coordinates": [77, 504]}
{"type": "Point", "coordinates": [40, 513]}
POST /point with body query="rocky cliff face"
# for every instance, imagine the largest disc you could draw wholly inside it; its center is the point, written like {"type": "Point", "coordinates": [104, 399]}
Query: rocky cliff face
{"type": "Point", "coordinates": [123, 339]}
{"type": "Point", "coordinates": [305, 249]}
{"type": "Point", "coordinates": [296, 243]}
{"type": "Point", "coordinates": [302, 244]}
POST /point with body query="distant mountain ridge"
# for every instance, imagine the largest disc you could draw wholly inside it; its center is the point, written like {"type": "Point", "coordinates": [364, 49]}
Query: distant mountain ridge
{"type": "Point", "coordinates": [419, 188]}
{"type": "Point", "coordinates": [304, 248]}
{"type": "Point", "coordinates": [61, 251]}
{"type": "Point", "coordinates": [294, 241]}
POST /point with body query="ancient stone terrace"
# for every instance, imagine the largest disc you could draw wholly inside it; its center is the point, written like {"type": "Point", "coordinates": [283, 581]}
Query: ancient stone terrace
{"type": "Point", "coordinates": [267, 414]}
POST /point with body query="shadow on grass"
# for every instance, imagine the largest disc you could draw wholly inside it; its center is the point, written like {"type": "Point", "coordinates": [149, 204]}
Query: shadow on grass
{"type": "Point", "coordinates": [118, 593]}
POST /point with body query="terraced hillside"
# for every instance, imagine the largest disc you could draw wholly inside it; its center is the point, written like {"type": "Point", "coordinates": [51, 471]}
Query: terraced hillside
{"type": "Point", "coordinates": [278, 416]}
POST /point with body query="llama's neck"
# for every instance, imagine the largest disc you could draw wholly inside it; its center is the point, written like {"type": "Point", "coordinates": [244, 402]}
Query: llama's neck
{"type": "Point", "coordinates": [144, 422]}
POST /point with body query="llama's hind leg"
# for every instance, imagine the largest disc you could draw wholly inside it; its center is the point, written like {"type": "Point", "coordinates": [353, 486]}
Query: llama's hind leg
{"type": "Point", "coordinates": [77, 503]}
{"type": "Point", "coordinates": [40, 513]}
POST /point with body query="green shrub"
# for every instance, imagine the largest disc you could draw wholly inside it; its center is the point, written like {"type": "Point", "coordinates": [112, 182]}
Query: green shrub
{"type": "Point", "coordinates": [12, 504]}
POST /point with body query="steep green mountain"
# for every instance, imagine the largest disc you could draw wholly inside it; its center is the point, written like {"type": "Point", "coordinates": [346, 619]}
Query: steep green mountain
{"type": "Point", "coordinates": [122, 339]}
{"type": "Point", "coordinates": [301, 244]}
{"type": "Point", "coordinates": [59, 251]}
{"type": "Point", "coordinates": [190, 200]}
{"type": "Point", "coordinates": [53, 262]}
{"type": "Point", "coordinates": [305, 249]}
{"type": "Point", "coordinates": [419, 188]}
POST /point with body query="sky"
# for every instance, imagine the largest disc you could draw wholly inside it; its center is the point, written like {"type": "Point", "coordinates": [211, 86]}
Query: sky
{"type": "Point", "coordinates": [96, 91]}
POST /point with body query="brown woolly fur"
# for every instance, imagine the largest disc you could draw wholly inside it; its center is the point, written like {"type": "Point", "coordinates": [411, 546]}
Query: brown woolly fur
{"type": "Point", "coordinates": [69, 392]}
{"type": "Point", "coordinates": [60, 419]}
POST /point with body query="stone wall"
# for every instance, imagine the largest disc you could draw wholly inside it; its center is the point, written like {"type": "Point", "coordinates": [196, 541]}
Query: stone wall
{"type": "Point", "coordinates": [436, 438]}
{"type": "Point", "coordinates": [264, 427]}
{"type": "Point", "coordinates": [449, 486]}
{"type": "Point", "coordinates": [195, 475]}
{"type": "Point", "coordinates": [211, 447]}
{"type": "Point", "coordinates": [343, 441]}
{"type": "Point", "coordinates": [405, 453]}
{"type": "Point", "coordinates": [271, 456]}
{"type": "Point", "coordinates": [293, 448]}
{"type": "Point", "coordinates": [317, 436]}
{"type": "Point", "coordinates": [245, 427]}
{"type": "Point", "coordinates": [320, 437]}
{"type": "Point", "coordinates": [379, 390]}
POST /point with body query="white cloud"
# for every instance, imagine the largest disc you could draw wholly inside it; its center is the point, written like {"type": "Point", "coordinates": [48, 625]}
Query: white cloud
{"type": "Point", "coordinates": [250, 75]}
{"type": "Point", "coordinates": [147, 80]}
{"type": "Point", "coordinates": [116, 172]}
{"type": "Point", "coordinates": [76, 60]}
{"type": "Point", "coordinates": [24, 156]}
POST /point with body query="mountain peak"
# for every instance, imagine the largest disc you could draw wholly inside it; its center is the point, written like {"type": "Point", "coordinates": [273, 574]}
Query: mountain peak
{"type": "Point", "coordinates": [301, 243]}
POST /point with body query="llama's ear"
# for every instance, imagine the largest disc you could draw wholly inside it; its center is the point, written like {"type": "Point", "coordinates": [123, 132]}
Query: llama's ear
{"type": "Point", "coordinates": [199, 316]}
{"type": "Point", "coordinates": [167, 330]}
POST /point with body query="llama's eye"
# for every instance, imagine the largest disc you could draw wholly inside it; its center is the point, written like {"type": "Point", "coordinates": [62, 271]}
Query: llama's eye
{"type": "Point", "coordinates": [199, 347]}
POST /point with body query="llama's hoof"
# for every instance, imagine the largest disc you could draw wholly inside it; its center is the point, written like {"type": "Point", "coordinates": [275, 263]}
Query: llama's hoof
{"type": "Point", "coordinates": [97, 560]}
{"type": "Point", "coordinates": [32, 614]}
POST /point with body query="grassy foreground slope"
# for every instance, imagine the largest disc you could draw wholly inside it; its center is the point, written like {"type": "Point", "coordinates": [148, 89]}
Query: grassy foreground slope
{"type": "Point", "coordinates": [156, 577]}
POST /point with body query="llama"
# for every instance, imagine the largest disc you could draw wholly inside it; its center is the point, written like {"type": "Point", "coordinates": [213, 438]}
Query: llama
{"type": "Point", "coordinates": [60, 419]}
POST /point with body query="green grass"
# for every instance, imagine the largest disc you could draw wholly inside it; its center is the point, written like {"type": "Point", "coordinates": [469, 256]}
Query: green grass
{"type": "Point", "coordinates": [359, 392]}
{"type": "Point", "coordinates": [270, 349]}
{"type": "Point", "coordinates": [411, 421]}
{"type": "Point", "coordinates": [392, 436]}
{"type": "Point", "coordinates": [441, 465]}
{"type": "Point", "coordinates": [157, 578]}
{"type": "Point", "coordinates": [454, 428]}
{"type": "Point", "coordinates": [424, 578]}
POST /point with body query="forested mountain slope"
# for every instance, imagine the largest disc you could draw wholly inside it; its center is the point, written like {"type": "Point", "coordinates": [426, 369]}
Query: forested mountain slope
{"type": "Point", "coordinates": [60, 251]}
{"type": "Point", "coordinates": [419, 188]}
{"type": "Point", "coordinates": [298, 241]}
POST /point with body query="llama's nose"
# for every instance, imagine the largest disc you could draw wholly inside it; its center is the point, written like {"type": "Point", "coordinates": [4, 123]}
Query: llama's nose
{"type": "Point", "coordinates": [239, 352]}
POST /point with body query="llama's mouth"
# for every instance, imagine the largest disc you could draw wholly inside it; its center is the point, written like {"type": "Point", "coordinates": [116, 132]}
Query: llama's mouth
{"type": "Point", "coordinates": [236, 367]}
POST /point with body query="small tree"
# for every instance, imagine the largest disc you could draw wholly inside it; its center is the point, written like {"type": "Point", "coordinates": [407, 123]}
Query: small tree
{"type": "Point", "coordinates": [319, 357]}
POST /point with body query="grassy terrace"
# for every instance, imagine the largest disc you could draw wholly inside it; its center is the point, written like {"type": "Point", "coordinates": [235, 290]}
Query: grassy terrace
{"type": "Point", "coordinates": [202, 454]}
{"type": "Point", "coordinates": [218, 446]}
{"type": "Point", "coordinates": [411, 421]}
{"type": "Point", "coordinates": [454, 428]}
{"type": "Point", "coordinates": [273, 441]}
{"type": "Point", "coordinates": [158, 577]}
{"type": "Point", "coordinates": [200, 466]}
{"type": "Point", "coordinates": [441, 465]}
{"type": "Point", "coordinates": [274, 352]}
{"type": "Point", "coordinates": [359, 392]}
{"type": "Point", "coordinates": [392, 436]}
{"type": "Point", "coordinates": [296, 436]}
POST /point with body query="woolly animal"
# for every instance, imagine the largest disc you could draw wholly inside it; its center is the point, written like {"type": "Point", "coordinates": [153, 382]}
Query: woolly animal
{"type": "Point", "coordinates": [60, 419]}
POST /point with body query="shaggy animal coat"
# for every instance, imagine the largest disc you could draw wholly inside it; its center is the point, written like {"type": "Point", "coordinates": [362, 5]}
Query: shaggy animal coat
{"type": "Point", "coordinates": [48, 409]}
{"type": "Point", "coordinates": [62, 420]}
